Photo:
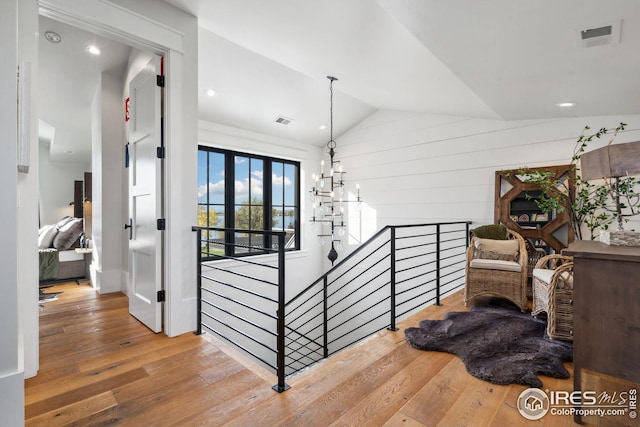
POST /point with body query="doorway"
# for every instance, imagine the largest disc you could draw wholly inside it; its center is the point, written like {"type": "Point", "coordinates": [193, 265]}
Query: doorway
{"type": "Point", "coordinates": [172, 33]}
{"type": "Point", "coordinates": [82, 81]}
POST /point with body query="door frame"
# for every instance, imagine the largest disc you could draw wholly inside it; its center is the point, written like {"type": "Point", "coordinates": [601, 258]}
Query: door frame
{"type": "Point", "coordinates": [135, 28]}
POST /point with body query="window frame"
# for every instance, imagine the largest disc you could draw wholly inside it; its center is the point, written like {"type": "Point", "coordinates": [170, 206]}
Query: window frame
{"type": "Point", "coordinates": [230, 204]}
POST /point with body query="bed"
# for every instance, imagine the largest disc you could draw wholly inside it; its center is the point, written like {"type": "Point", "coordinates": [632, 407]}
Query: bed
{"type": "Point", "coordinates": [59, 260]}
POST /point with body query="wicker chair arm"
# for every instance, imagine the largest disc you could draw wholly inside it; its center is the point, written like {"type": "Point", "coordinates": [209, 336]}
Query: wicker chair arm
{"type": "Point", "coordinates": [471, 250]}
{"type": "Point", "coordinates": [559, 279]}
{"type": "Point", "coordinates": [551, 262]}
{"type": "Point", "coordinates": [523, 258]}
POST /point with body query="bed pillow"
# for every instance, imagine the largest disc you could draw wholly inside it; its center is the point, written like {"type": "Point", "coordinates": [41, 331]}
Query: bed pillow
{"type": "Point", "coordinates": [63, 221]}
{"type": "Point", "coordinates": [68, 234]}
{"type": "Point", "coordinates": [504, 250]}
{"type": "Point", "coordinates": [46, 236]}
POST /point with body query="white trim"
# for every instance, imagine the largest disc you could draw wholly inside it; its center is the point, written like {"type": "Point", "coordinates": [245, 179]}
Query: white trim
{"type": "Point", "coordinates": [132, 28]}
{"type": "Point", "coordinates": [24, 116]}
{"type": "Point", "coordinates": [226, 137]}
{"type": "Point", "coordinates": [106, 18]}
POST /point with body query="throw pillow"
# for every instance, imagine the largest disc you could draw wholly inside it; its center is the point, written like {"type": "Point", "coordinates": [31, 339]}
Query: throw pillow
{"type": "Point", "coordinates": [504, 250]}
{"type": "Point", "coordinates": [46, 236]}
{"type": "Point", "coordinates": [490, 231]}
{"type": "Point", "coordinates": [68, 234]}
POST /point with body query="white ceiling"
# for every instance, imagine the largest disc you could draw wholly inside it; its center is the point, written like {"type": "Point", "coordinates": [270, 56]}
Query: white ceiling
{"type": "Point", "coordinates": [500, 59]}
{"type": "Point", "coordinates": [68, 77]}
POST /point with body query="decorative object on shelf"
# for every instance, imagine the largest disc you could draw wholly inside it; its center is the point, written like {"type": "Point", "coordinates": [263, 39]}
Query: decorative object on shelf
{"type": "Point", "coordinates": [615, 164]}
{"type": "Point", "coordinates": [327, 195]}
{"type": "Point", "coordinates": [523, 218]}
{"type": "Point", "coordinates": [541, 217]}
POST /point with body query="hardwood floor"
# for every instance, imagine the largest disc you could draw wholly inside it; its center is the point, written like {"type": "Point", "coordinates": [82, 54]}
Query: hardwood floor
{"type": "Point", "coordinates": [100, 366]}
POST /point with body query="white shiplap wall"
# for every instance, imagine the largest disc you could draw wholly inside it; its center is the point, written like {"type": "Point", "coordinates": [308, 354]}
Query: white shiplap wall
{"type": "Point", "coordinates": [416, 168]}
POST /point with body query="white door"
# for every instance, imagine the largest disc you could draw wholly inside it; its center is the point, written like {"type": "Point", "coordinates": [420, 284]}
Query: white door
{"type": "Point", "coordinates": [145, 197]}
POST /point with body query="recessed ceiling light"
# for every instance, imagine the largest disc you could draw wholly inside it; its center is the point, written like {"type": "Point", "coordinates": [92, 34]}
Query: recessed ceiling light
{"type": "Point", "coordinates": [52, 37]}
{"type": "Point", "coordinates": [323, 127]}
{"type": "Point", "coordinates": [210, 92]}
{"type": "Point", "coordinates": [566, 104]}
{"type": "Point", "coordinates": [94, 50]}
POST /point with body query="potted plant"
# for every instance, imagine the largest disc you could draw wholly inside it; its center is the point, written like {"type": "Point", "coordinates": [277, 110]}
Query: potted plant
{"type": "Point", "coordinates": [594, 205]}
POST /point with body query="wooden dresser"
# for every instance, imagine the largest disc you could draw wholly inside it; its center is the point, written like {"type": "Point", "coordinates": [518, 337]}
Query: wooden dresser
{"type": "Point", "coordinates": [606, 303]}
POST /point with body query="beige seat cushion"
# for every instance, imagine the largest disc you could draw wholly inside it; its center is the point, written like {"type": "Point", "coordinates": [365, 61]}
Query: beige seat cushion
{"type": "Point", "coordinates": [495, 264]}
{"type": "Point", "coordinates": [545, 275]}
{"type": "Point", "coordinates": [505, 250]}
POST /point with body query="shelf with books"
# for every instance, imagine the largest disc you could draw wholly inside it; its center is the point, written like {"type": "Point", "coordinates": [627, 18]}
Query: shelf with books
{"type": "Point", "coordinates": [516, 207]}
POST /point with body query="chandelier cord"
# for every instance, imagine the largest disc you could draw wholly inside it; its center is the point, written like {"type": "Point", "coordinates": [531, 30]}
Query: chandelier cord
{"type": "Point", "coordinates": [331, 144]}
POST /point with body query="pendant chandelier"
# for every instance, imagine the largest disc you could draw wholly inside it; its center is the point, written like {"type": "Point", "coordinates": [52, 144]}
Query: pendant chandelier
{"type": "Point", "coordinates": [328, 197]}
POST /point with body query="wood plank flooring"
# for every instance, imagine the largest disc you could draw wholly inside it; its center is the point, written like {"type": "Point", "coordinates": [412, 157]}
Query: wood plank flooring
{"type": "Point", "coordinates": [100, 366]}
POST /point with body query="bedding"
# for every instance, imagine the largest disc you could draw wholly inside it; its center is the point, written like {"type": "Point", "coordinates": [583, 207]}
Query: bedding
{"type": "Point", "coordinates": [58, 258]}
{"type": "Point", "coordinates": [49, 264]}
{"type": "Point", "coordinates": [58, 265]}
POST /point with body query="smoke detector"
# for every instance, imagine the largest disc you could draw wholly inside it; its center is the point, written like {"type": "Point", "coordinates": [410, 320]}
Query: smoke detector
{"type": "Point", "coordinates": [52, 37]}
{"type": "Point", "coordinates": [600, 36]}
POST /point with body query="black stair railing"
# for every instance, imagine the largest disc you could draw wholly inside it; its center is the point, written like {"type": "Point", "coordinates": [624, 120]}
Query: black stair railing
{"type": "Point", "coordinates": [397, 271]}
{"type": "Point", "coordinates": [238, 304]}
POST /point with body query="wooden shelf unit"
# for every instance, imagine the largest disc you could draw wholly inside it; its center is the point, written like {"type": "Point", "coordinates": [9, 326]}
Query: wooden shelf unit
{"type": "Point", "coordinates": [511, 207]}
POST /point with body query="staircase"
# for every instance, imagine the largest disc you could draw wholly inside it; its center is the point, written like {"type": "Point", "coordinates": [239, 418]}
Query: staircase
{"type": "Point", "coordinates": [398, 271]}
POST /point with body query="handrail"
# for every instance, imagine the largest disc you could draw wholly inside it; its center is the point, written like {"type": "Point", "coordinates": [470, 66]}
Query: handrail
{"type": "Point", "coordinates": [228, 328]}
{"type": "Point", "coordinates": [308, 332]}
{"type": "Point", "coordinates": [365, 292]}
{"type": "Point", "coordinates": [366, 244]}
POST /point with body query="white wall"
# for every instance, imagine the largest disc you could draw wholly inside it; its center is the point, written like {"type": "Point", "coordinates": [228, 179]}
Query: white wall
{"type": "Point", "coordinates": [418, 168]}
{"type": "Point", "coordinates": [18, 214]}
{"type": "Point", "coordinates": [107, 145]}
{"type": "Point", "coordinates": [11, 373]}
{"type": "Point", "coordinates": [56, 181]}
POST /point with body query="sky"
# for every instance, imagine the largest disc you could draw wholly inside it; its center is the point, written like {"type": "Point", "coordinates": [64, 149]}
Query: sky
{"type": "Point", "coordinates": [248, 180]}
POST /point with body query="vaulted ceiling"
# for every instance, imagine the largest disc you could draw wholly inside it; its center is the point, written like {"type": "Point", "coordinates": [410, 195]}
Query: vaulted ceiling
{"type": "Point", "coordinates": [496, 59]}
{"type": "Point", "coordinates": [502, 59]}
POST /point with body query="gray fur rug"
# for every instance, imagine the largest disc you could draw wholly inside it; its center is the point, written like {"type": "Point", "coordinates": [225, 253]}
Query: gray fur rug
{"type": "Point", "coordinates": [500, 345]}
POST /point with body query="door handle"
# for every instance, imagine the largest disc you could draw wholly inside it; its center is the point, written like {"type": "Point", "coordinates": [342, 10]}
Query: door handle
{"type": "Point", "coordinates": [130, 227]}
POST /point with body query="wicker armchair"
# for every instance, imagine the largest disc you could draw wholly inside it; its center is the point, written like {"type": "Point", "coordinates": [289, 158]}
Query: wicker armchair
{"type": "Point", "coordinates": [495, 276]}
{"type": "Point", "coordinates": [534, 255]}
{"type": "Point", "coordinates": [553, 294]}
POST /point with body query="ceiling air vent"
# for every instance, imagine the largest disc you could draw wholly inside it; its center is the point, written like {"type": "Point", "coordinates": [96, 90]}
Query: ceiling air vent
{"type": "Point", "coordinates": [600, 36]}
{"type": "Point", "coordinates": [283, 120]}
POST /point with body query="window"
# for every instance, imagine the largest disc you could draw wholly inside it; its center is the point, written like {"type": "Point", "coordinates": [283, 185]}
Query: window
{"type": "Point", "coordinates": [262, 194]}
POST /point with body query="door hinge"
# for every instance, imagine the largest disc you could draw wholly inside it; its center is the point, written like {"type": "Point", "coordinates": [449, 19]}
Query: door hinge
{"type": "Point", "coordinates": [161, 296]}
{"type": "Point", "coordinates": [160, 80]}
{"type": "Point", "coordinates": [160, 152]}
{"type": "Point", "coordinates": [161, 224]}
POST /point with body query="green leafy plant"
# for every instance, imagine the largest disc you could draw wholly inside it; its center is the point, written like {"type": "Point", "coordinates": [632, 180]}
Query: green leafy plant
{"type": "Point", "coordinates": [594, 205]}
